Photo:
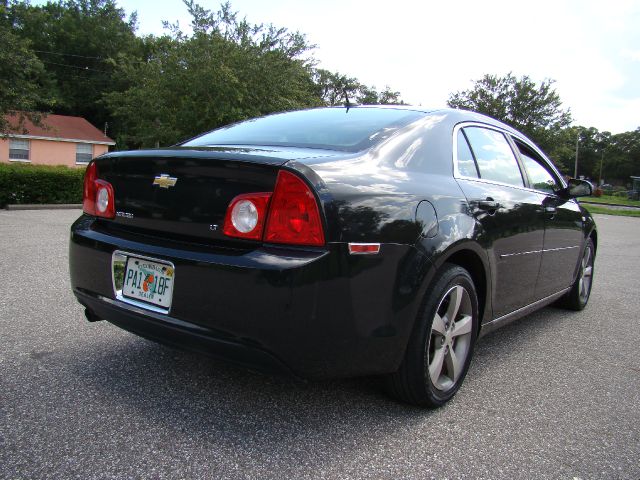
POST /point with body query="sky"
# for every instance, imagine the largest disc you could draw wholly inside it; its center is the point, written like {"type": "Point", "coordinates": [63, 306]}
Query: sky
{"type": "Point", "coordinates": [430, 49]}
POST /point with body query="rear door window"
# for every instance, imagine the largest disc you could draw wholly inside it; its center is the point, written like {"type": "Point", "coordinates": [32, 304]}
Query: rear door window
{"type": "Point", "coordinates": [494, 156]}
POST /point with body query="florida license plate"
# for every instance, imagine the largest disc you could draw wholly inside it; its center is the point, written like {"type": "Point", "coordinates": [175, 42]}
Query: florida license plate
{"type": "Point", "coordinates": [148, 281]}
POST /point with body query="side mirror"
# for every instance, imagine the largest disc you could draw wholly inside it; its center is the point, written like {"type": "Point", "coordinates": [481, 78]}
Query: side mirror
{"type": "Point", "coordinates": [578, 188]}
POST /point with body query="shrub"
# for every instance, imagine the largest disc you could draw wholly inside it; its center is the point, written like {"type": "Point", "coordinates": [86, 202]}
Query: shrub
{"type": "Point", "coordinates": [24, 183]}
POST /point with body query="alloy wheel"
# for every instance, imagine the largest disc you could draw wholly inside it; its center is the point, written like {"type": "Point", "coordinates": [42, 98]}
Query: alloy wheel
{"type": "Point", "coordinates": [450, 338]}
{"type": "Point", "coordinates": [586, 274]}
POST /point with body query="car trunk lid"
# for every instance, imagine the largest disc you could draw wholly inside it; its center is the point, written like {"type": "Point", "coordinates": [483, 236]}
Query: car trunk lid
{"type": "Point", "coordinates": [183, 193]}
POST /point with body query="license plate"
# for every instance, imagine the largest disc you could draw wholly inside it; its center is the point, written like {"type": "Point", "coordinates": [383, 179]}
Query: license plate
{"type": "Point", "coordinates": [148, 281]}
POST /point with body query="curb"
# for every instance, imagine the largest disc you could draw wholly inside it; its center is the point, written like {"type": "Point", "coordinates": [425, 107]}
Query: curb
{"type": "Point", "coordinates": [54, 206]}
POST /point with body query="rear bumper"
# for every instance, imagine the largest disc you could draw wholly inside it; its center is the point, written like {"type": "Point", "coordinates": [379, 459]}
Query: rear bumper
{"type": "Point", "coordinates": [188, 336]}
{"type": "Point", "coordinates": [311, 312]}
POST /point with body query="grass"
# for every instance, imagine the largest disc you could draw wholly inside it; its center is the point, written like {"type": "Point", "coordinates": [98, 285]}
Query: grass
{"type": "Point", "coordinates": [613, 199]}
{"type": "Point", "coordinates": [612, 211]}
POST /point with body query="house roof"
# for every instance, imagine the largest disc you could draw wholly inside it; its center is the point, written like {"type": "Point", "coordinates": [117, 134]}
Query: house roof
{"type": "Point", "coordinates": [60, 128]}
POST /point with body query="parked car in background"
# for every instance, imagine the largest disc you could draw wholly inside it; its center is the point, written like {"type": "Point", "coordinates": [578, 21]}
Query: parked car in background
{"type": "Point", "coordinates": [334, 242]}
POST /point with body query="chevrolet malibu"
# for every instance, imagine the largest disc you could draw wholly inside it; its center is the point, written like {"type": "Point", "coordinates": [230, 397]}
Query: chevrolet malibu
{"type": "Point", "coordinates": [334, 242]}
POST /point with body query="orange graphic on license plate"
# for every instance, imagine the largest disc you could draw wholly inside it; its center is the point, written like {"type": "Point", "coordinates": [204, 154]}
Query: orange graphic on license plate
{"type": "Point", "coordinates": [147, 281]}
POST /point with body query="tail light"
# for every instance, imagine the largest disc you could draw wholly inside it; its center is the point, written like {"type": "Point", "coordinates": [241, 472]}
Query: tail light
{"type": "Point", "coordinates": [294, 217]}
{"type": "Point", "coordinates": [290, 215]}
{"type": "Point", "coordinates": [97, 195]}
{"type": "Point", "coordinates": [246, 216]}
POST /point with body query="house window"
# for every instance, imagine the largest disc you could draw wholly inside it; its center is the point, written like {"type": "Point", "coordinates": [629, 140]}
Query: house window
{"type": "Point", "coordinates": [19, 150]}
{"type": "Point", "coordinates": [84, 152]}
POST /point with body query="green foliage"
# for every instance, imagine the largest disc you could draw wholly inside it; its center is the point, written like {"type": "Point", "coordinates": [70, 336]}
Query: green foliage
{"type": "Point", "coordinates": [619, 199]}
{"type": "Point", "coordinates": [84, 58]}
{"type": "Point", "coordinates": [622, 157]}
{"type": "Point", "coordinates": [74, 41]}
{"type": "Point", "coordinates": [619, 155]}
{"type": "Point", "coordinates": [612, 211]}
{"type": "Point", "coordinates": [25, 184]}
{"type": "Point", "coordinates": [22, 77]}
{"type": "Point", "coordinates": [228, 70]}
{"type": "Point", "coordinates": [535, 110]}
{"type": "Point", "coordinates": [333, 88]}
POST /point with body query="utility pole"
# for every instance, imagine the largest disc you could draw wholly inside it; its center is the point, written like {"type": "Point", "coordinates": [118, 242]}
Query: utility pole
{"type": "Point", "coordinates": [575, 171]}
{"type": "Point", "coordinates": [601, 160]}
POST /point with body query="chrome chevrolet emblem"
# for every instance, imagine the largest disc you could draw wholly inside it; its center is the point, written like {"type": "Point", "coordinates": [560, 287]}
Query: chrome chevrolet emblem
{"type": "Point", "coordinates": [164, 181]}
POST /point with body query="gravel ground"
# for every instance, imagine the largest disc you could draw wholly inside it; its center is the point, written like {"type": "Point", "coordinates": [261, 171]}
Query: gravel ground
{"type": "Point", "coordinates": [555, 395]}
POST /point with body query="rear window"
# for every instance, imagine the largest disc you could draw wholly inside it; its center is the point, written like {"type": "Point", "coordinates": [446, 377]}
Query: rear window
{"type": "Point", "coordinates": [352, 129]}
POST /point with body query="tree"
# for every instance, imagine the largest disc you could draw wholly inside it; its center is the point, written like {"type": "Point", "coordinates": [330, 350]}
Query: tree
{"type": "Point", "coordinates": [159, 90]}
{"type": "Point", "coordinates": [334, 88]}
{"type": "Point", "coordinates": [75, 40]}
{"type": "Point", "coordinates": [389, 97]}
{"type": "Point", "coordinates": [622, 157]}
{"type": "Point", "coordinates": [535, 110]}
{"type": "Point", "coordinates": [21, 78]}
{"type": "Point", "coordinates": [227, 71]}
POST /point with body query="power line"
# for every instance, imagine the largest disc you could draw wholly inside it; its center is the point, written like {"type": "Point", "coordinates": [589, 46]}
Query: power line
{"type": "Point", "coordinates": [103, 59]}
{"type": "Point", "coordinates": [68, 54]}
{"type": "Point", "coordinates": [74, 66]}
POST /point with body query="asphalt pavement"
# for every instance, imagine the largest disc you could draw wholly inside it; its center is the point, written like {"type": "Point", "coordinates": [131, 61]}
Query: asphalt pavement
{"type": "Point", "coordinates": [555, 395]}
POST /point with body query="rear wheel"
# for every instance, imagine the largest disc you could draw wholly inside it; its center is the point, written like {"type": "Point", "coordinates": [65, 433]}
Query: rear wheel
{"type": "Point", "coordinates": [440, 350]}
{"type": "Point", "coordinates": [578, 297]}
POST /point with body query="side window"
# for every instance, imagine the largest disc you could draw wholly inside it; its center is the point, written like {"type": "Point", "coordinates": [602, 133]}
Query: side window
{"type": "Point", "coordinates": [541, 178]}
{"type": "Point", "coordinates": [496, 161]}
{"type": "Point", "coordinates": [465, 160]}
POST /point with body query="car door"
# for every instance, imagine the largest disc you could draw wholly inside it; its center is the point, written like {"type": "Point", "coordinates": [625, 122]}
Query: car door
{"type": "Point", "coordinates": [511, 227]}
{"type": "Point", "coordinates": [563, 237]}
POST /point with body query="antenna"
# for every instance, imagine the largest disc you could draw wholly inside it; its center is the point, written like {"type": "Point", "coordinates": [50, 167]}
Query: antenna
{"type": "Point", "coordinates": [348, 103]}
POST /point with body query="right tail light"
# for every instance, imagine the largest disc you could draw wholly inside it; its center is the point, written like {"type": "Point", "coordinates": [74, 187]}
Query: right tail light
{"type": "Point", "coordinates": [290, 215]}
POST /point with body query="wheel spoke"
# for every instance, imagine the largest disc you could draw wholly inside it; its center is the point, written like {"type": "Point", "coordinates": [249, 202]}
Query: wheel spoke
{"type": "Point", "coordinates": [435, 367]}
{"type": "Point", "coordinates": [462, 326]}
{"type": "Point", "coordinates": [455, 297]}
{"type": "Point", "coordinates": [438, 325]}
{"type": "Point", "coordinates": [588, 271]}
{"type": "Point", "coordinates": [453, 364]}
{"type": "Point", "coordinates": [586, 258]}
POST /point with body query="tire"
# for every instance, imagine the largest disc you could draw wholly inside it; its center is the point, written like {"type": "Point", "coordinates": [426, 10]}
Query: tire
{"type": "Point", "coordinates": [439, 351]}
{"type": "Point", "coordinates": [578, 297]}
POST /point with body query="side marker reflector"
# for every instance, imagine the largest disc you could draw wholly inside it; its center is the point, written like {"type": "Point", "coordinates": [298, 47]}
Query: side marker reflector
{"type": "Point", "coordinates": [364, 248]}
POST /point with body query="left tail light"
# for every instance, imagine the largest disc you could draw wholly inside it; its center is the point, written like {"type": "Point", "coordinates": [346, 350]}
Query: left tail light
{"type": "Point", "coordinates": [97, 195]}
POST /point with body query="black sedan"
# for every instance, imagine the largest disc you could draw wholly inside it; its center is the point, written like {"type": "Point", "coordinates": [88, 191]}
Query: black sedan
{"type": "Point", "coordinates": [334, 242]}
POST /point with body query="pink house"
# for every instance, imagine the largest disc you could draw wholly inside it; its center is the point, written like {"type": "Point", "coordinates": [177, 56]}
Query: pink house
{"type": "Point", "coordinates": [63, 140]}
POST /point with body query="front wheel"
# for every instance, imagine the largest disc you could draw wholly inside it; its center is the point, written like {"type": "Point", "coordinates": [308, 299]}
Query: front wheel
{"type": "Point", "coordinates": [440, 350]}
{"type": "Point", "coordinates": [578, 297]}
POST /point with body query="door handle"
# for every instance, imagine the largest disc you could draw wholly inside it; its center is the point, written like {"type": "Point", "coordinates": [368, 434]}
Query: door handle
{"type": "Point", "coordinates": [550, 211]}
{"type": "Point", "coordinates": [487, 205]}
